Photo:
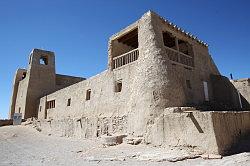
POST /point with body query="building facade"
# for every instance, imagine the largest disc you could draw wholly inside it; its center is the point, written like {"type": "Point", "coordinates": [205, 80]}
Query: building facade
{"type": "Point", "coordinates": [152, 65]}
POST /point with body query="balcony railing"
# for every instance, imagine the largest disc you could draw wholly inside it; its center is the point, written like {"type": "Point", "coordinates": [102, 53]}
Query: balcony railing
{"type": "Point", "coordinates": [126, 58]}
{"type": "Point", "coordinates": [179, 57]}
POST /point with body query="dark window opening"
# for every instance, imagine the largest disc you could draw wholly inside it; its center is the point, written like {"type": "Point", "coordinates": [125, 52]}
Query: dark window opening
{"type": "Point", "coordinates": [44, 60]}
{"type": "Point", "coordinates": [118, 86]}
{"type": "Point", "coordinates": [24, 75]}
{"type": "Point", "coordinates": [188, 84]}
{"type": "Point", "coordinates": [125, 49]}
{"type": "Point", "coordinates": [51, 104]}
{"type": "Point", "coordinates": [88, 94]}
{"type": "Point", "coordinates": [130, 39]}
{"type": "Point", "coordinates": [19, 110]}
{"type": "Point", "coordinates": [40, 108]}
{"type": "Point", "coordinates": [169, 40]}
{"type": "Point", "coordinates": [69, 102]}
{"type": "Point", "coordinates": [185, 47]}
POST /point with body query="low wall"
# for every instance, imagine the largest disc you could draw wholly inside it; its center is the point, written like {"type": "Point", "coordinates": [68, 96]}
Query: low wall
{"type": "Point", "coordinates": [212, 132]}
{"type": "Point", "coordinates": [6, 122]}
{"type": "Point", "coordinates": [229, 127]}
{"type": "Point", "coordinates": [209, 132]}
{"type": "Point", "coordinates": [190, 129]}
{"type": "Point", "coordinates": [84, 127]}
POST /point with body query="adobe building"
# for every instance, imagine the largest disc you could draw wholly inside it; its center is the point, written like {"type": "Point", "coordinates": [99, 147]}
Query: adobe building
{"type": "Point", "coordinates": [161, 85]}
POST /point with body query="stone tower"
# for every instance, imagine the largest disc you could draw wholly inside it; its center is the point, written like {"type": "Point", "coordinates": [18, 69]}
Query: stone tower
{"type": "Point", "coordinates": [38, 81]}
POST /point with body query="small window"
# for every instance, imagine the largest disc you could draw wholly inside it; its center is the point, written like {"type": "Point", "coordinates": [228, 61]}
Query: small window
{"type": "Point", "coordinates": [69, 102]}
{"type": "Point", "coordinates": [44, 60]}
{"type": "Point", "coordinates": [24, 75]}
{"type": "Point", "coordinates": [51, 104]}
{"type": "Point", "coordinates": [169, 40]}
{"type": "Point", "coordinates": [188, 84]}
{"type": "Point", "coordinates": [19, 110]}
{"type": "Point", "coordinates": [88, 94]}
{"type": "Point", "coordinates": [118, 86]}
{"type": "Point", "coordinates": [40, 108]}
{"type": "Point", "coordinates": [185, 47]}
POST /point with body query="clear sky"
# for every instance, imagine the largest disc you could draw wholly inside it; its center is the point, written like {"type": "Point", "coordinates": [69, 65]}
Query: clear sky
{"type": "Point", "coordinates": [78, 31]}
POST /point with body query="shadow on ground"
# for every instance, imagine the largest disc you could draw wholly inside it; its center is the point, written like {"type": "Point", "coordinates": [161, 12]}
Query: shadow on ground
{"type": "Point", "coordinates": [242, 145]}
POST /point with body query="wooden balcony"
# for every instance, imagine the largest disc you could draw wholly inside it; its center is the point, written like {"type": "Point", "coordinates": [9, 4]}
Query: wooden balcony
{"type": "Point", "coordinates": [126, 58]}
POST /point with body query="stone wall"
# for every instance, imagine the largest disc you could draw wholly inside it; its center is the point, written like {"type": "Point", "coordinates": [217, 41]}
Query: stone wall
{"type": "Point", "coordinates": [6, 122]}
{"type": "Point", "coordinates": [83, 127]}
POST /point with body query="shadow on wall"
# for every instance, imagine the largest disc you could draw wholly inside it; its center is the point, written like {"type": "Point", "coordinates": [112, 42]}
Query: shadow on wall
{"type": "Point", "coordinates": [242, 144]}
{"type": "Point", "coordinates": [191, 116]}
{"type": "Point", "coordinates": [225, 96]}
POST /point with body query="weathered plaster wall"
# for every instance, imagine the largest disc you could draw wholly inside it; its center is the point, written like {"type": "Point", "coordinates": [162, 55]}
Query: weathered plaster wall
{"type": "Point", "coordinates": [229, 127]}
{"type": "Point", "coordinates": [84, 127]}
{"type": "Point", "coordinates": [203, 68]}
{"type": "Point", "coordinates": [213, 132]}
{"type": "Point", "coordinates": [150, 84]}
{"type": "Point", "coordinates": [191, 129]}
{"type": "Point", "coordinates": [39, 81]}
{"type": "Point", "coordinates": [20, 104]}
{"type": "Point", "coordinates": [243, 86]}
{"type": "Point", "coordinates": [225, 93]}
{"type": "Point", "coordinates": [103, 101]}
{"type": "Point", "coordinates": [63, 81]}
{"type": "Point", "coordinates": [18, 77]}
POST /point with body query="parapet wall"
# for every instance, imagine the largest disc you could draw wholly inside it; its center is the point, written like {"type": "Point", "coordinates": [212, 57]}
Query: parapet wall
{"type": "Point", "coordinates": [209, 132]}
{"type": "Point", "coordinates": [189, 129]}
{"type": "Point", "coordinates": [243, 86]}
{"type": "Point", "coordinates": [63, 81]}
{"type": "Point", "coordinates": [6, 122]}
{"type": "Point", "coordinates": [229, 127]}
{"type": "Point", "coordinates": [213, 132]}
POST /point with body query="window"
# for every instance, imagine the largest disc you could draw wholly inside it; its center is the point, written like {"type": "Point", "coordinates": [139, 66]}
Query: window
{"type": "Point", "coordinates": [118, 86]}
{"type": "Point", "coordinates": [19, 110]}
{"type": "Point", "coordinates": [169, 40]}
{"type": "Point", "coordinates": [188, 84]}
{"type": "Point", "coordinates": [24, 75]}
{"type": "Point", "coordinates": [205, 91]}
{"type": "Point", "coordinates": [185, 47]}
{"type": "Point", "coordinates": [88, 94]}
{"type": "Point", "coordinates": [40, 108]}
{"type": "Point", "coordinates": [51, 104]}
{"type": "Point", "coordinates": [43, 60]}
{"type": "Point", "coordinates": [69, 102]}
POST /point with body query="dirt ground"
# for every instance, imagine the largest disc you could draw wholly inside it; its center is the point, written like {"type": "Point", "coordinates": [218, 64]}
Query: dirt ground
{"type": "Point", "coordinates": [24, 146]}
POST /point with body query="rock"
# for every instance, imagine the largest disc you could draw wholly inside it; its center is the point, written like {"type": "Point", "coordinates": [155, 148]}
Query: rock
{"type": "Point", "coordinates": [211, 156]}
{"type": "Point", "coordinates": [133, 141]}
{"type": "Point", "coordinates": [112, 140]}
{"type": "Point", "coordinates": [38, 129]}
{"type": "Point", "coordinates": [26, 123]}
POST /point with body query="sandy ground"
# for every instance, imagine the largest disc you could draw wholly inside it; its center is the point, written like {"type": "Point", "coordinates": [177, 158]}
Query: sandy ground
{"type": "Point", "coordinates": [24, 146]}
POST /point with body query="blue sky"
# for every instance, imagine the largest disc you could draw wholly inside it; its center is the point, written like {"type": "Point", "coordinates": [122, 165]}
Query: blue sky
{"type": "Point", "coordinates": [78, 31]}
